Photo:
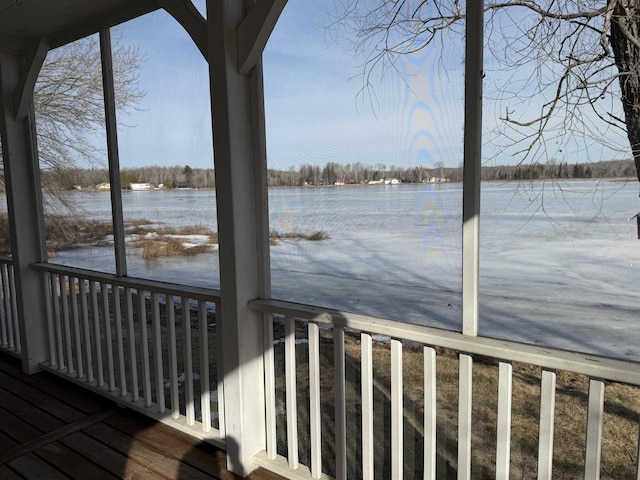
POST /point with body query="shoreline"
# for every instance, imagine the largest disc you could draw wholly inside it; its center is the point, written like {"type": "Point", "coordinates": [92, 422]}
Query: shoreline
{"type": "Point", "coordinates": [357, 185]}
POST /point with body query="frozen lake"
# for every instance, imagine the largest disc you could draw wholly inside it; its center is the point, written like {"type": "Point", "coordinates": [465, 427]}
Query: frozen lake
{"type": "Point", "coordinates": [559, 260]}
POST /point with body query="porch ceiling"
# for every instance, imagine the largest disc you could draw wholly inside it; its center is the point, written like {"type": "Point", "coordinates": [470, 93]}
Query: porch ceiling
{"type": "Point", "coordinates": [62, 21]}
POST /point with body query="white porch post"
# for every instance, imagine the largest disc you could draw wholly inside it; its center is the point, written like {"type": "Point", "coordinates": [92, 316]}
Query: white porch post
{"type": "Point", "coordinates": [472, 166]}
{"type": "Point", "coordinates": [24, 202]}
{"type": "Point", "coordinates": [241, 194]}
{"type": "Point", "coordinates": [106, 59]}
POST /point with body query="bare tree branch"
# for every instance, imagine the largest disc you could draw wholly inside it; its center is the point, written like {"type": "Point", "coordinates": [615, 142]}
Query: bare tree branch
{"type": "Point", "coordinates": [69, 103]}
{"type": "Point", "coordinates": [562, 55]}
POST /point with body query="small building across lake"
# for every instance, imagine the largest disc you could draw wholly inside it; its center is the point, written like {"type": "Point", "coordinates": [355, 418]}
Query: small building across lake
{"type": "Point", "coordinates": [140, 187]}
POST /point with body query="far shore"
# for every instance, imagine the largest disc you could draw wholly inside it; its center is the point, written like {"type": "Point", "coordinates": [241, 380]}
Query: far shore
{"type": "Point", "coordinates": [356, 185]}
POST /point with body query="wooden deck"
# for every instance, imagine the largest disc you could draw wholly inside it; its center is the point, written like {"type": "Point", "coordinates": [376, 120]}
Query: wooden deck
{"type": "Point", "coordinates": [50, 429]}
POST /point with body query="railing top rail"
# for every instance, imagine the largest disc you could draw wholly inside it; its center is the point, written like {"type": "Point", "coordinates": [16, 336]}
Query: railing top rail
{"type": "Point", "coordinates": [593, 366]}
{"type": "Point", "coordinates": [196, 293]}
{"type": "Point", "coordinates": [4, 259]}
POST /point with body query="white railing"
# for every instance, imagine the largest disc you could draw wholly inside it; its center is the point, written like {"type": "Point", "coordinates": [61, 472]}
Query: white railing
{"type": "Point", "coordinates": [151, 346]}
{"type": "Point", "coordinates": [9, 326]}
{"type": "Point", "coordinates": [359, 397]}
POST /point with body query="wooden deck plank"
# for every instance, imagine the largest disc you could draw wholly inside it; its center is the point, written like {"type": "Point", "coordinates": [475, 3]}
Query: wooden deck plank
{"type": "Point", "coordinates": [189, 450]}
{"type": "Point", "coordinates": [6, 442]}
{"type": "Point", "coordinates": [15, 428]}
{"type": "Point", "coordinates": [50, 437]}
{"type": "Point", "coordinates": [45, 382]}
{"type": "Point", "coordinates": [91, 437]}
{"type": "Point", "coordinates": [34, 468]}
{"type": "Point", "coordinates": [142, 453]}
{"type": "Point", "coordinates": [71, 463]}
{"type": "Point", "coordinates": [174, 444]}
{"type": "Point", "coordinates": [40, 399]}
{"type": "Point", "coordinates": [111, 460]}
{"type": "Point", "coordinates": [29, 413]}
{"type": "Point", "coordinates": [7, 474]}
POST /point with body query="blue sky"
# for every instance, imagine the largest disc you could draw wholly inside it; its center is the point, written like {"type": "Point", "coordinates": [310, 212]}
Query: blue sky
{"type": "Point", "coordinates": [314, 113]}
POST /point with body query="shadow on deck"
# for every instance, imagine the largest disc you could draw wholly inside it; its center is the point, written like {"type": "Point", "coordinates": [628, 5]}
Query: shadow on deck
{"type": "Point", "coordinates": [54, 430]}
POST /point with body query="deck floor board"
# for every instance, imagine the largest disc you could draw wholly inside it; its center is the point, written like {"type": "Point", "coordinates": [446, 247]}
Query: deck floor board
{"type": "Point", "coordinates": [72, 463]}
{"type": "Point", "coordinates": [7, 474]}
{"type": "Point", "coordinates": [204, 457]}
{"type": "Point", "coordinates": [29, 413]}
{"type": "Point", "coordinates": [15, 428]}
{"type": "Point", "coordinates": [51, 429]}
{"type": "Point", "coordinates": [34, 468]}
{"type": "Point", "coordinates": [49, 385]}
{"type": "Point", "coordinates": [6, 442]}
{"type": "Point", "coordinates": [107, 458]}
{"type": "Point", "coordinates": [41, 399]}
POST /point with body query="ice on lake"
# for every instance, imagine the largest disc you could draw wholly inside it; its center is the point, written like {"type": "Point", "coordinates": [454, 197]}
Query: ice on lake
{"type": "Point", "coordinates": [558, 260]}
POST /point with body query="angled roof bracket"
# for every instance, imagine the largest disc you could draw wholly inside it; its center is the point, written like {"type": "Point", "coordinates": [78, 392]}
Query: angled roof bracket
{"type": "Point", "coordinates": [191, 20]}
{"type": "Point", "coordinates": [254, 31]}
{"type": "Point", "coordinates": [33, 60]}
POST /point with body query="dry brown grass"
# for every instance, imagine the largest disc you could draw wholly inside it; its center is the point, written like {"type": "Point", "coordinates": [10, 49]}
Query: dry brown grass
{"type": "Point", "coordinates": [138, 222]}
{"type": "Point", "coordinates": [168, 247]}
{"type": "Point", "coordinates": [155, 241]}
{"type": "Point", "coordinates": [62, 232]}
{"type": "Point", "coordinates": [275, 236]}
{"type": "Point", "coordinates": [143, 227]}
{"type": "Point", "coordinates": [165, 241]}
{"type": "Point", "coordinates": [188, 230]}
{"type": "Point", "coordinates": [152, 240]}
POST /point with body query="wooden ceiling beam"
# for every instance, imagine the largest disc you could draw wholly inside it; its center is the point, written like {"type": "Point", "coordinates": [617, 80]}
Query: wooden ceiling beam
{"type": "Point", "coordinates": [187, 15]}
{"type": "Point", "coordinates": [254, 32]}
{"type": "Point", "coordinates": [110, 15]}
{"type": "Point", "coordinates": [33, 59]}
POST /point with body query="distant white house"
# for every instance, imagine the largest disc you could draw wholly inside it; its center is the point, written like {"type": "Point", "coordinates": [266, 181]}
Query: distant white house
{"type": "Point", "coordinates": [391, 181]}
{"type": "Point", "coordinates": [339, 183]}
{"type": "Point", "coordinates": [139, 187]}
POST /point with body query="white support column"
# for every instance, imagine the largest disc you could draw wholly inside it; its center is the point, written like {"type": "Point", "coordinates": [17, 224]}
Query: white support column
{"type": "Point", "coordinates": [472, 165]}
{"type": "Point", "coordinates": [255, 30]}
{"type": "Point", "coordinates": [241, 195]}
{"type": "Point", "coordinates": [112, 152]}
{"type": "Point", "coordinates": [24, 202]}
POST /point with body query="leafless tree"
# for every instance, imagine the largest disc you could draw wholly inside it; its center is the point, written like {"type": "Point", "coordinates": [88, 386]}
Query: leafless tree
{"type": "Point", "coordinates": [68, 100]}
{"type": "Point", "coordinates": [580, 58]}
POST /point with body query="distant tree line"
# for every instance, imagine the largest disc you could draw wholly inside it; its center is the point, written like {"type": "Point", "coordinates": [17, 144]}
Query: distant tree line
{"type": "Point", "coordinates": [332, 172]}
{"type": "Point", "coordinates": [155, 175]}
{"type": "Point", "coordinates": [605, 169]}
{"type": "Point", "coordinates": [357, 173]}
